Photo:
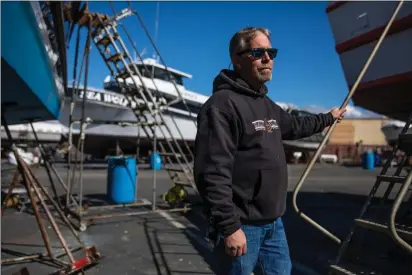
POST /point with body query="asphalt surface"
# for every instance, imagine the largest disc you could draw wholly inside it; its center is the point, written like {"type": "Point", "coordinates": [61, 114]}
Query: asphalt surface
{"type": "Point", "coordinates": [169, 243]}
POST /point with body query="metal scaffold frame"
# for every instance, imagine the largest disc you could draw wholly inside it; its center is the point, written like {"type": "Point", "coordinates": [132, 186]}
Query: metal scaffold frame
{"type": "Point", "coordinates": [36, 190]}
{"type": "Point", "coordinates": [102, 29]}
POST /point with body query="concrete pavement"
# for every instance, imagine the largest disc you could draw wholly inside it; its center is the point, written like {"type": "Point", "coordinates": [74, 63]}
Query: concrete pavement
{"type": "Point", "coordinates": [174, 243]}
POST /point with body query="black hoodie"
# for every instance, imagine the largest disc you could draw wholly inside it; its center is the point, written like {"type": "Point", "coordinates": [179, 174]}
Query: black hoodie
{"type": "Point", "coordinates": [240, 167]}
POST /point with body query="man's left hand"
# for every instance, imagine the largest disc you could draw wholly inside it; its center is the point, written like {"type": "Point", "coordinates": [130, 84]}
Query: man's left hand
{"type": "Point", "coordinates": [338, 113]}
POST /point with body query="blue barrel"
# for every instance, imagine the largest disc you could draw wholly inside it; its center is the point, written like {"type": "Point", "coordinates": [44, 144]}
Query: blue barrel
{"type": "Point", "coordinates": [378, 161]}
{"type": "Point", "coordinates": [121, 179]}
{"type": "Point", "coordinates": [155, 161]}
{"type": "Point", "coordinates": [368, 161]}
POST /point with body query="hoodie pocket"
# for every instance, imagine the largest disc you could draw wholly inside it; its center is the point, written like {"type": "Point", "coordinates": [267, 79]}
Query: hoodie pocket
{"type": "Point", "coordinates": [269, 202]}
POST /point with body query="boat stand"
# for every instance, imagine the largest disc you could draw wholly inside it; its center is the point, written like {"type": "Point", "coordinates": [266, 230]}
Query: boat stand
{"type": "Point", "coordinates": [35, 188]}
{"type": "Point", "coordinates": [83, 213]}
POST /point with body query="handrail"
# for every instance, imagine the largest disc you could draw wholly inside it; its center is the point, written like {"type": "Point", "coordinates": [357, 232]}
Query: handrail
{"type": "Point", "coordinates": [399, 198]}
{"type": "Point", "coordinates": [332, 127]}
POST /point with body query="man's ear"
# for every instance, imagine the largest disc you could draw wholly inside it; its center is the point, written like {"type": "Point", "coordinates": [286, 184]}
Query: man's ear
{"type": "Point", "coordinates": [236, 62]}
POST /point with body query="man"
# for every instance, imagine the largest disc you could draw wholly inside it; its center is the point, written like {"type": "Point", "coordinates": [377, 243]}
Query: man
{"type": "Point", "coordinates": [240, 167]}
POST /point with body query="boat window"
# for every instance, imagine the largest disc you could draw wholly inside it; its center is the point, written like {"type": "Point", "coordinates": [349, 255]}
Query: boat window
{"type": "Point", "coordinates": [167, 76]}
{"type": "Point", "coordinates": [143, 71]}
{"type": "Point", "coordinates": [161, 74]}
{"type": "Point", "coordinates": [178, 79]}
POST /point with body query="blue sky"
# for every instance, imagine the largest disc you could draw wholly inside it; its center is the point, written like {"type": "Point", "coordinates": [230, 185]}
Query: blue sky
{"type": "Point", "coordinates": [194, 36]}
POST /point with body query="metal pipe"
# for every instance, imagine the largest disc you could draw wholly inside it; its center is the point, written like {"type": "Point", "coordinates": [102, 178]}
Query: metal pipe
{"type": "Point", "coordinates": [62, 182]}
{"type": "Point", "coordinates": [154, 173]}
{"type": "Point", "coordinates": [399, 198]}
{"type": "Point", "coordinates": [70, 174]}
{"type": "Point", "coordinates": [59, 211]}
{"type": "Point", "coordinates": [46, 163]}
{"type": "Point", "coordinates": [83, 125]}
{"type": "Point", "coordinates": [137, 156]}
{"type": "Point", "coordinates": [19, 259]}
{"type": "Point", "coordinates": [332, 127]}
{"type": "Point", "coordinates": [135, 204]}
{"type": "Point", "coordinates": [50, 216]}
{"type": "Point", "coordinates": [100, 217]}
{"type": "Point", "coordinates": [10, 191]}
{"type": "Point", "coordinates": [83, 137]}
{"type": "Point", "coordinates": [29, 187]}
{"type": "Point", "coordinates": [39, 257]}
{"type": "Point", "coordinates": [22, 168]}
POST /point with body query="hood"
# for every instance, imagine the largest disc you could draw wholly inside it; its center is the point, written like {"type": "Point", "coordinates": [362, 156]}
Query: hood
{"type": "Point", "coordinates": [230, 80]}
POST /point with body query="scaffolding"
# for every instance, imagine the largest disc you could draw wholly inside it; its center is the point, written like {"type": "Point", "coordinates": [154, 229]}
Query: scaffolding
{"type": "Point", "coordinates": [36, 192]}
{"type": "Point", "coordinates": [103, 31]}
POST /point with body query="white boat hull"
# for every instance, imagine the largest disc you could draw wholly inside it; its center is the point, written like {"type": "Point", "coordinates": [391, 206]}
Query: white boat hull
{"type": "Point", "coordinates": [47, 132]}
{"type": "Point", "coordinates": [393, 58]}
{"type": "Point", "coordinates": [362, 17]}
{"type": "Point", "coordinates": [356, 27]}
{"type": "Point", "coordinates": [186, 127]}
{"type": "Point", "coordinates": [112, 107]}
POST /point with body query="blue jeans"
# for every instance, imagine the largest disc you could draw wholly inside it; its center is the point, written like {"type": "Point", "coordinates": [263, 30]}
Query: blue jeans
{"type": "Point", "coordinates": [267, 252]}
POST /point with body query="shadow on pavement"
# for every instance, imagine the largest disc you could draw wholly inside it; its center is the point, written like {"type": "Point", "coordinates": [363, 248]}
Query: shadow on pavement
{"type": "Point", "coordinates": [310, 248]}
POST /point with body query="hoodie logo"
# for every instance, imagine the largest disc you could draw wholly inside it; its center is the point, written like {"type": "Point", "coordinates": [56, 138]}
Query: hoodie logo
{"type": "Point", "coordinates": [265, 125]}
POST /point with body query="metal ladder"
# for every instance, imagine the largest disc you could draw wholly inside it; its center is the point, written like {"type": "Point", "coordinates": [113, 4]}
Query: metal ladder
{"type": "Point", "coordinates": [396, 231]}
{"type": "Point", "coordinates": [120, 64]}
{"type": "Point", "coordinates": [404, 143]}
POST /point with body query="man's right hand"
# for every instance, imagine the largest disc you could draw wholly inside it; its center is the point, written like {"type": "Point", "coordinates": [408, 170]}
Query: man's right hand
{"type": "Point", "coordinates": [235, 244]}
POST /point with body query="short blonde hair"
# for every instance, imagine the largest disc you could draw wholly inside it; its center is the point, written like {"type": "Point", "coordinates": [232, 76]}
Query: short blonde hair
{"type": "Point", "coordinates": [241, 40]}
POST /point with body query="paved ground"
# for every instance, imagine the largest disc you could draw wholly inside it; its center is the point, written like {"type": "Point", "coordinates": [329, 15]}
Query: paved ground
{"type": "Point", "coordinates": [173, 243]}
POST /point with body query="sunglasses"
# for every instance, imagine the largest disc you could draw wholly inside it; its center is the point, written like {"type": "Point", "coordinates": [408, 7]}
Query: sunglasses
{"type": "Point", "coordinates": [260, 52]}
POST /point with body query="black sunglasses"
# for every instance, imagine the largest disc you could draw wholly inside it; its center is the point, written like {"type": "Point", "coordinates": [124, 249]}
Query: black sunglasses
{"type": "Point", "coordinates": [260, 52]}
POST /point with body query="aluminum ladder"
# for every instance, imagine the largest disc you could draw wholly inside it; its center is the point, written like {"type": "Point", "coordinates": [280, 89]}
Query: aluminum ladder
{"type": "Point", "coordinates": [112, 49]}
{"type": "Point", "coordinates": [398, 231]}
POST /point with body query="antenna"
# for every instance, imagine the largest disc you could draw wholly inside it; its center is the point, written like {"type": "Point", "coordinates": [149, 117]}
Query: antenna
{"type": "Point", "coordinates": [143, 52]}
{"type": "Point", "coordinates": [156, 27]}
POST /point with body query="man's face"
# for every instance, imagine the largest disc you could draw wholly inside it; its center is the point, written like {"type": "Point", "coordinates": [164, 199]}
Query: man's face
{"type": "Point", "coordinates": [257, 68]}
